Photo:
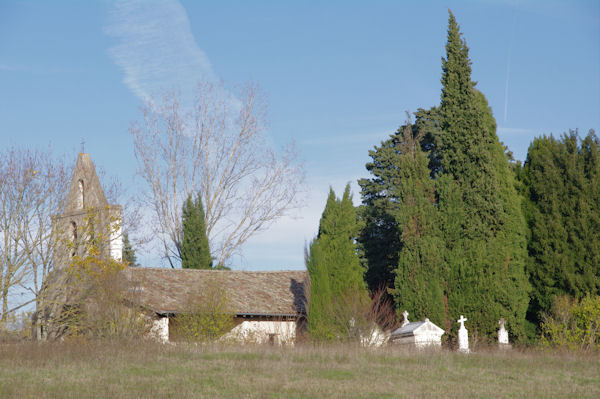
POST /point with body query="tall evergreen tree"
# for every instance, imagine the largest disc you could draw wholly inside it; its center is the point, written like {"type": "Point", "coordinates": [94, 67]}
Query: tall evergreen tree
{"type": "Point", "coordinates": [195, 251]}
{"type": "Point", "coordinates": [483, 225]}
{"type": "Point", "coordinates": [380, 236]}
{"type": "Point", "coordinates": [334, 267]}
{"type": "Point", "coordinates": [419, 286]}
{"type": "Point", "coordinates": [561, 178]}
{"type": "Point", "coordinates": [128, 253]}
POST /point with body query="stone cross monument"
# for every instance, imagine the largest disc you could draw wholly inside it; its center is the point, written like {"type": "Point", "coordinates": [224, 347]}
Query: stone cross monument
{"type": "Point", "coordinates": [503, 335]}
{"type": "Point", "coordinates": [463, 336]}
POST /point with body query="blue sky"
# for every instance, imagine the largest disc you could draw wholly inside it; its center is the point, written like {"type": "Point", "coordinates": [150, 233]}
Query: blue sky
{"type": "Point", "coordinates": [338, 76]}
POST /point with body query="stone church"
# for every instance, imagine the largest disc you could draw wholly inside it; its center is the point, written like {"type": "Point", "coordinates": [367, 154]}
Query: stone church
{"type": "Point", "coordinates": [266, 306]}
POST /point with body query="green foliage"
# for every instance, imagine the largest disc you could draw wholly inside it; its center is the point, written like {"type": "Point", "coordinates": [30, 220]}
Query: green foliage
{"type": "Point", "coordinates": [195, 251]}
{"type": "Point", "coordinates": [379, 239]}
{"type": "Point", "coordinates": [319, 324]}
{"type": "Point", "coordinates": [561, 183]}
{"type": "Point", "coordinates": [400, 210]}
{"type": "Point", "coordinates": [573, 324]}
{"type": "Point", "coordinates": [482, 222]}
{"type": "Point", "coordinates": [206, 319]}
{"type": "Point", "coordinates": [334, 267]}
{"type": "Point", "coordinates": [128, 256]}
{"type": "Point", "coordinates": [427, 123]}
{"type": "Point", "coordinates": [442, 211]}
{"type": "Point", "coordinates": [419, 287]}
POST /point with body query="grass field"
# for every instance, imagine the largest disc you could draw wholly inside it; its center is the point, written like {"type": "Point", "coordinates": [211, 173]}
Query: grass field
{"type": "Point", "coordinates": [149, 370]}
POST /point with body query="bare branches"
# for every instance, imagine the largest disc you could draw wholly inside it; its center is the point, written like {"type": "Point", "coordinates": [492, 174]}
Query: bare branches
{"type": "Point", "coordinates": [216, 150]}
{"type": "Point", "coordinates": [32, 188]}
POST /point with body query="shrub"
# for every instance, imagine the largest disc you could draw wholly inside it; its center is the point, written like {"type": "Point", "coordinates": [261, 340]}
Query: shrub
{"type": "Point", "coordinates": [573, 324]}
{"type": "Point", "coordinates": [356, 318]}
{"type": "Point", "coordinates": [97, 301]}
{"type": "Point", "coordinates": [103, 305]}
{"type": "Point", "coordinates": [207, 316]}
{"type": "Point", "coordinates": [16, 327]}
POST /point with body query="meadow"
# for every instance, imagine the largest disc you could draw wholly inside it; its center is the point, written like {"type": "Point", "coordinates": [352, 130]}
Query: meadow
{"type": "Point", "coordinates": [146, 369]}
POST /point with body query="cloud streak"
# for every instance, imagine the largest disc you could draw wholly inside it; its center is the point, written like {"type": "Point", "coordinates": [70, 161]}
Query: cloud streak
{"type": "Point", "coordinates": [6, 67]}
{"type": "Point", "coordinates": [155, 47]}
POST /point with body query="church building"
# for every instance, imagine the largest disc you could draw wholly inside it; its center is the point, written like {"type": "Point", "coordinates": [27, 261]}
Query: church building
{"type": "Point", "coordinates": [265, 306]}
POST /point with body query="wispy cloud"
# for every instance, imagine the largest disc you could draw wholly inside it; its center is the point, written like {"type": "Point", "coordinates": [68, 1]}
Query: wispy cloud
{"type": "Point", "coordinates": [155, 47]}
{"type": "Point", "coordinates": [6, 67]}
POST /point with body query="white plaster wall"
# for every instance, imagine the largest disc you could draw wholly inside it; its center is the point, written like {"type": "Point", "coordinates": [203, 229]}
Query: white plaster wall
{"type": "Point", "coordinates": [421, 341]}
{"type": "Point", "coordinates": [160, 329]}
{"type": "Point", "coordinates": [116, 242]}
{"type": "Point", "coordinates": [428, 339]}
{"type": "Point", "coordinates": [250, 331]}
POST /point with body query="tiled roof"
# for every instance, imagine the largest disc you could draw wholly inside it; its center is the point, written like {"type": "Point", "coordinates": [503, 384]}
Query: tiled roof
{"type": "Point", "coordinates": [275, 293]}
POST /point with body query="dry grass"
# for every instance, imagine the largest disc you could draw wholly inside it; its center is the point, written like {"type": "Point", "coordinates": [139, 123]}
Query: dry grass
{"type": "Point", "coordinates": [140, 370]}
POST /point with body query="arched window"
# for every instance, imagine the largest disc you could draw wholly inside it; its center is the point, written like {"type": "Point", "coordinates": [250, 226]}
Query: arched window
{"type": "Point", "coordinates": [73, 231]}
{"type": "Point", "coordinates": [81, 197]}
{"type": "Point", "coordinates": [73, 237]}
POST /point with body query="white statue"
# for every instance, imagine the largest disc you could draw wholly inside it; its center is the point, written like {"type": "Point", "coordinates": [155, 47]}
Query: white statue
{"type": "Point", "coordinates": [463, 336]}
{"type": "Point", "coordinates": [503, 335]}
{"type": "Point", "coordinates": [405, 321]}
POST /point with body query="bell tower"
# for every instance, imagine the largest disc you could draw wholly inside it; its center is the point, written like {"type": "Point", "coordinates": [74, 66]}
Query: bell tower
{"type": "Point", "coordinates": [86, 213]}
{"type": "Point", "coordinates": [86, 216]}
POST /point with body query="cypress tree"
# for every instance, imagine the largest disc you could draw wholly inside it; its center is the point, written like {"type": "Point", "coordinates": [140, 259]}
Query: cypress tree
{"type": "Point", "coordinates": [195, 251]}
{"type": "Point", "coordinates": [334, 267]}
{"type": "Point", "coordinates": [128, 254]}
{"type": "Point", "coordinates": [320, 323]}
{"type": "Point", "coordinates": [561, 179]}
{"type": "Point", "coordinates": [418, 283]}
{"type": "Point", "coordinates": [482, 222]}
{"type": "Point", "coordinates": [380, 237]}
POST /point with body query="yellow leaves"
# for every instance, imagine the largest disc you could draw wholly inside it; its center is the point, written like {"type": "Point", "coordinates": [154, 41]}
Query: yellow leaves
{"type": "Point", "coordinates": [573, 324]}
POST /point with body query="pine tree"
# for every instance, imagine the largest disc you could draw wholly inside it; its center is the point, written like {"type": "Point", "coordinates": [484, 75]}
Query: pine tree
{"type": "Point", "coordinates": [334, 267]}
{"type": "Point", "coordinates": [561, 178]}
{"type": "Point", "coordinates": [483, 225]}
{"type": "Point", "coordinates": [380, 237]}
{"type": "Point", "coordinates": [195, 251]}
{"type": "Point", "coordinates": [128, 254]}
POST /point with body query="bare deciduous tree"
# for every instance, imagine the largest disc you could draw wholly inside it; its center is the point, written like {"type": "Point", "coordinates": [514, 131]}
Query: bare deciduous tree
{"type": "Point", "coordinates": [214, 149]}
{"type": "Point", "coordinates": [32, 188]}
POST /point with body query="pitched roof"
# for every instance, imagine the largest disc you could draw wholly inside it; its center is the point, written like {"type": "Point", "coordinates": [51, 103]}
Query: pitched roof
{"type": "Point", "coordinates": [416, 327]}
{"type": "Point", "coordinates": [85, 179]}
{"type": "Point", "coordinates": [275, 293]}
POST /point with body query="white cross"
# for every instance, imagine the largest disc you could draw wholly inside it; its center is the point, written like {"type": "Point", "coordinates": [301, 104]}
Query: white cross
{"type": "Point", "coordinates": [405, 314]}
{"type": "Point", "coordinates": [462, 321]}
